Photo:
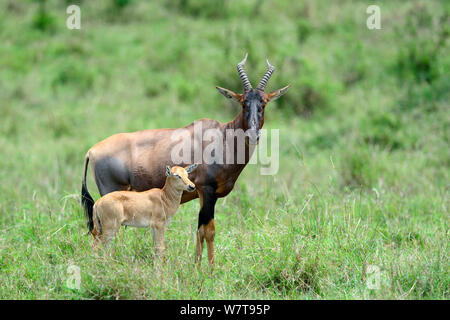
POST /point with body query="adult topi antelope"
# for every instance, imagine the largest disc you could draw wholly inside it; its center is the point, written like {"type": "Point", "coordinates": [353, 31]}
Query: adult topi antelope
{"type": "Point", "coordinates": [136, 161]}
{"type": "Point", "coordinates": [153, 208]}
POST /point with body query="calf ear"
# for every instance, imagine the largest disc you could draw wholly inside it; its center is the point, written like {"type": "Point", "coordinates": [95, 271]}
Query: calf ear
{"type": "Point", "coordinates": [168, 171]}
{"type": "Point", "coordinates": [191, 168]}
{"type": "Point", "coordinates": [277, 93]}
{"type": "Point", "coordinates": [230, 94]}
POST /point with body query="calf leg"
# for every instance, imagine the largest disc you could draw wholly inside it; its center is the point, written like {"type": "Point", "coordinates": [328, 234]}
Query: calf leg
{"type": "Point", "coordinates": [105, 238]}
{"type": "Point", "coordinates": [206, 228]}
{"type": "Point", "coordinates": [97, 238]}
{"type": "Point", "coordinates": [106, 225]}
{"type": "Point", "coordinates": [96, 232]}
{"type": "Point", "coordinates": [158, 240]}
{"type": "Point", "coordinates": [108, 236]}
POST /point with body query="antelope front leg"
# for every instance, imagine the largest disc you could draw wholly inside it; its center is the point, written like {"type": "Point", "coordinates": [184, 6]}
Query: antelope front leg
{"type": "Point", "coordinates": [200, 242]}
{"type": "Point", "coordinates": [210, 232]}
{"type": "Point", "coordinates": [206, 229]}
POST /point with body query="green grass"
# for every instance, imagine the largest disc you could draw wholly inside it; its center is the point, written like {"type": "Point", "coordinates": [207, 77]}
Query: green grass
{"type": "Point", "coordinates": [364, 146]}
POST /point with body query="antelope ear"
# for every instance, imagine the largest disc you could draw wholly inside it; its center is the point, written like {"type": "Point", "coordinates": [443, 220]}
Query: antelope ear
{"type": "Point", "coordinates": [168, 171]}
{"type": "Point", "coordinates": [230, 94]}
{"type": "Point", "coordinates": [191, 168]}
{"type": "Point", "coordinates": [277, 93]}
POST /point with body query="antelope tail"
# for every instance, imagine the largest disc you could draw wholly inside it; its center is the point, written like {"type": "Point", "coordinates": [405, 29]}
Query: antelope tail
{"type": "Point", "coordinates": [86, 200]}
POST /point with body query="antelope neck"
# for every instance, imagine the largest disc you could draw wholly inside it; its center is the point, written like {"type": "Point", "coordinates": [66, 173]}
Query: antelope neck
{"type": "Point", "coordinates": [171, 197]}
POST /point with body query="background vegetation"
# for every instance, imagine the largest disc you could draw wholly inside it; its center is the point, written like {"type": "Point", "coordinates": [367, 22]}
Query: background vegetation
{"type": "Point", "coordinates": [364, 145]}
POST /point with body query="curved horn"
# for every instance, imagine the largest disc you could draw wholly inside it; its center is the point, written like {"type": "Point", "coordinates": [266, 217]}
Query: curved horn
{"type": "Point", "coordinates": [263, 83]}
{"type": "Point", "coordinates": [243, 75]}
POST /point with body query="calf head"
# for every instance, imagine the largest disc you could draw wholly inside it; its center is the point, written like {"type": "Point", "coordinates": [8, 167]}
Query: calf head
{"type": "Point", "coordinates": [179, 177]}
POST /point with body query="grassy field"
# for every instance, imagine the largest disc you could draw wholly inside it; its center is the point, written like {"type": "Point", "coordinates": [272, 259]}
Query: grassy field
{"type": "Point", "coordinates": [363, 183]}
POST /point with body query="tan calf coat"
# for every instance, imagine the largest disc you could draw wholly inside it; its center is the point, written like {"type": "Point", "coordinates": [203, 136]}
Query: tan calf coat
{"type": "Point", "coordinates": [148, 209]}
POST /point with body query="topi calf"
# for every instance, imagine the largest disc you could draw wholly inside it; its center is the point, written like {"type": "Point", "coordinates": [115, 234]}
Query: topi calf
{"type": "Point", "coordinates": [152, 208]}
